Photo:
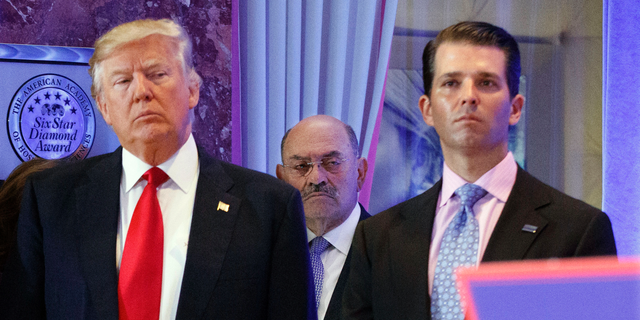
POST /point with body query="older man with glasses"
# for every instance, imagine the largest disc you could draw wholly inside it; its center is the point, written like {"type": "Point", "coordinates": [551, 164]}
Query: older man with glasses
{"type": "Point", "coordinates": [320, 158]}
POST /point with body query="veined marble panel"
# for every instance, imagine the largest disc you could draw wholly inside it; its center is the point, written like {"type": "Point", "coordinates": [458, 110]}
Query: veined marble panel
{"type": "Point", "coordinates": [78, 23]}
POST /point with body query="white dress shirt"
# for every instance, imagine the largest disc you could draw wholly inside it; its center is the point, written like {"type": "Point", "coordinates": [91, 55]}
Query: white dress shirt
{"type": "Point", "coordinates": [176, 198]}
{"type": "Point", "coordinates": [498, 183]}
{"type": "Point", "coordinates": [334, 257]}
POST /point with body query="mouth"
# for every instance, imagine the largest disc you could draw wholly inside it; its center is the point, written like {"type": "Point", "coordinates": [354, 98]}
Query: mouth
{"type": "Point", "coordinates": [146, 115]}
{"type": "Point", "coordinates": [317, 195]}
{"type": "Point", "coordinates": [467, 118]}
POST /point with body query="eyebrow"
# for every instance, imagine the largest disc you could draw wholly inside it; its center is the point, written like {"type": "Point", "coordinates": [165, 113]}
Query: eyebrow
{"type": "Point", "coordinates": [118, 71]}
{"type": "Point", "coordinates": [455, 74]}
{"type": "Point", "coordinates": [450, 74]}
{"type": "Point", "coordinates": [489, 75]}
{"type": "Point", "coordinates": [151, 64]}
{"type": "Point", "coordinates": [333, 153]}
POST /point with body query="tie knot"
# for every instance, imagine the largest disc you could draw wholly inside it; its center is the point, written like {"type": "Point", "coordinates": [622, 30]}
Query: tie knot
{"type": "Point", "coordinates": [470, 194]}
{"type": "Point", "coordinates": [155, 176]}
{"type": "Point", "coordinates": [318, 245]}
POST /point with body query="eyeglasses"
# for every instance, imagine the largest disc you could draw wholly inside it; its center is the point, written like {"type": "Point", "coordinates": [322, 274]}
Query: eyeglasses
{"type": "Point", "coordinates": [330, 164]}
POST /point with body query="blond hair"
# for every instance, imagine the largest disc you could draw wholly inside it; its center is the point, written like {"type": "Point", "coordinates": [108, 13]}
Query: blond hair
{"type": "Point", "coordinates": [136, 30]}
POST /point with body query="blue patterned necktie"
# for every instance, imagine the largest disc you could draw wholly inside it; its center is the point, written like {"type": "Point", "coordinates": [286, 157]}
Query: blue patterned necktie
{"type": "Point", "coordinates": [459, 247]}
{"type": "Point", "coordinates": [318, 245]}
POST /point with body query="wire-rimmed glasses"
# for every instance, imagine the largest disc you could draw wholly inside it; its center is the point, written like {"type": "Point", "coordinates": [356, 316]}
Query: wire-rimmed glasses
{"type": "Point", "coordinates": [330, 164]}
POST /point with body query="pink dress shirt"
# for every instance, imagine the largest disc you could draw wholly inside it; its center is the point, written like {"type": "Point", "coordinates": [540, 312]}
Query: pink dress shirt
{"type": "Point", "coordinates": [498, 182]}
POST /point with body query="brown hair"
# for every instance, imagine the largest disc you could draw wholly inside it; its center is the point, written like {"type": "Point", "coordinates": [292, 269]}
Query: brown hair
{"type": "Point", "coordinates": [10, 199]}
{"type": "Point", "coordinates": [475, 33]}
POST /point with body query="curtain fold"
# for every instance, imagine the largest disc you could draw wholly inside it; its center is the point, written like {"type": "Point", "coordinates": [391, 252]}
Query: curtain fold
{"type": "Point", "coordinates": [381, 71]}
{"type": "Point", "coordinates": [276, 75]}
{"type": "Point", "coordinates": [312, 39]}
{"type": "Point", "coordinates": [255, 84]}
{"type": "Point", "coordinates": [302, 58]}
{"type": "Point", "coordinates": [294, 63]}
{"type": "Point", "coordinates": [362, 48]}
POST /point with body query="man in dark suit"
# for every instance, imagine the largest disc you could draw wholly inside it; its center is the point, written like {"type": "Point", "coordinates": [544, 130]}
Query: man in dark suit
{"type": "Point", "coordinates": [320, 158]}
{"type": "Point", "coordinates": [229, 243]}
{"type": "Point", "coordinates": [404, 257]}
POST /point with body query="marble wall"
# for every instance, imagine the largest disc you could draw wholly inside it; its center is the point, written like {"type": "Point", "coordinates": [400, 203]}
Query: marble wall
{"type": "Point", "coordinates": [78, 23]}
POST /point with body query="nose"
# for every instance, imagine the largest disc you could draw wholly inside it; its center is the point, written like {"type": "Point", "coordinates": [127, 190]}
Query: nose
{"type": "Point", "coordinates": [317, 175]}
{"type": "Point", "coordinates": [469, 94]}
{"type": "Point", "coordinates": [142, 90]}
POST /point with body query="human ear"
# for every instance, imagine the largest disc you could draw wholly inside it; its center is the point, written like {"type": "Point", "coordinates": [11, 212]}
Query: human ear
{"type": "Point", "coordinates": [363, 166]}
{"type": "Point", "coordinates": [516, 109]}
{"type": "Point", "coordinates": [425, 108]}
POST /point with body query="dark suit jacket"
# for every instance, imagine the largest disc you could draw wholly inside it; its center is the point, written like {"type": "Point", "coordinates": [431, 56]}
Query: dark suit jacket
{"type": "Point", "coordinates": [251, 262]}
{"type": "Point", "coordinates": [334, 311]}
{"type": "Point", "coordinates": [391, 250]}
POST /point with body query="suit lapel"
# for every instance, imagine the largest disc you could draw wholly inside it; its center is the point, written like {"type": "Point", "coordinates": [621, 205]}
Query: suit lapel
{"type": "Point", "coordinates": [209, 237]}
{"type": "Point", "coordinates": [509, 241]}
{"type": "Point", "coordinates": [334, 311]}
{"type": "Point", "coordinates": [97, 206]}
{"type": "Point", "coordinates": [409, 251]}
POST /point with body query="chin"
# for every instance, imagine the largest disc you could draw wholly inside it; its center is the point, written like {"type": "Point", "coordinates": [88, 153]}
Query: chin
{"type": "Point", "coordinates": [316, 210]}
{"type": "Point", "coordinates": [469, 140]}
{"type": "Point", "coordinates": [156, 133]}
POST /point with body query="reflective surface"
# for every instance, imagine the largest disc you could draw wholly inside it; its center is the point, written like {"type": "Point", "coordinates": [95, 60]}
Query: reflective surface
{"type": "Point", "coordinates": [45, 53]}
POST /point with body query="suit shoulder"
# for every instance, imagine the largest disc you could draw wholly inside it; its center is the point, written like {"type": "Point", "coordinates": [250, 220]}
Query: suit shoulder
{"type": "Point", "coordinates": [572, 227]}
{"type": "Point", "coordinates": [248, 178]}
{"type": "Point", "coordinates": [68, 172]}
{"type": "Point", "coordinates": [553, 198]}
{"type": "Point", "coordinates": [571, 202]}
{"type": "Point", "coordinates": [404, 212]}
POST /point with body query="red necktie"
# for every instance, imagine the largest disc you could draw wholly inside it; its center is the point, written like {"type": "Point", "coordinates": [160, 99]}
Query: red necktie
{"type": "Point", "coordinates": [140, 279]}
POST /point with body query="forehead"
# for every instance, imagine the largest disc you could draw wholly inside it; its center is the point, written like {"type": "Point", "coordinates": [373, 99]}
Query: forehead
{"type": "Point", "coordinates": [461, 57]}
{"type": "Point", "coordinates": [151, 50]}
{"type": "Point", "coordinates": [317, 140]}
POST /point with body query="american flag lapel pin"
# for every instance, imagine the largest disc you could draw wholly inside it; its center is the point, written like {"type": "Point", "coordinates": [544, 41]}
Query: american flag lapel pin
{"type": "Point", "coordinates": [530, 228]}
{"type": "Point", "coordinates": [223, 206]}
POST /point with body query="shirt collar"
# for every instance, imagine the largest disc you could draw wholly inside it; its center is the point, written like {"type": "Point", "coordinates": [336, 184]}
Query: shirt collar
{"type": "Point", "coordinates": [341, 236]}
{"type": "Point", "coordinates": [498, 181]}
{"type": "Point", "coordinates": [181, 167]}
